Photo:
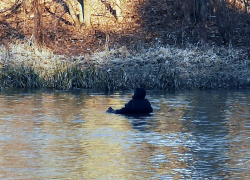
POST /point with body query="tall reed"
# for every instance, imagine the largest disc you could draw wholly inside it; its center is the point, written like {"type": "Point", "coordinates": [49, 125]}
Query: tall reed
{"type": "Point", "coordinates": [166, 67]}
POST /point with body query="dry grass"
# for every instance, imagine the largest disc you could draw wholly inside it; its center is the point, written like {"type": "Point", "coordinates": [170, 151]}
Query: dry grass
{"type": "Point", "coordinates": [168, 67]}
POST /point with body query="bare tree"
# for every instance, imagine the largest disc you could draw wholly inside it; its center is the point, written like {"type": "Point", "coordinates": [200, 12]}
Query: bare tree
{"type": "Point", "coordinates": [37, 29]}
{"type": "Point", "coordinates": [118, 9]}
{"type": "Point", "coordinates": [84, 8]}
{"type": "Point", "coordinates": [73, 13]}
{"type": "Point", "coordinates": [246, 3]}
{"type": "Point", "coordinates": [86, 12]}
{"type": "Point", "coordinates": [80, 7]}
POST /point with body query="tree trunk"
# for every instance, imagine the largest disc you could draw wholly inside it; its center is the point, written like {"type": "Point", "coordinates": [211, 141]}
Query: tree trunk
{"type": "Point", "coordinates": [72, 13]}
{"type": "Point", "coordinates": [37, 29]}
{"type": "Point", "coordinates": [118, 9]}
{"type": "Point", "coordinates": [246, 5]}
{"type": "Point", "coordinates": [187, 10]}
{"type": "Point", "coordinates": [203, 10]}
{"type": "Point", "coordinates": [81, 16]}
{"type": "Point", "coordinates": [87, 12]}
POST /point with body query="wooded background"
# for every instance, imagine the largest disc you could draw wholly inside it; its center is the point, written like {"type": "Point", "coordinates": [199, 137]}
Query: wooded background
{"type": "Point", "coordinates": [124, 22]}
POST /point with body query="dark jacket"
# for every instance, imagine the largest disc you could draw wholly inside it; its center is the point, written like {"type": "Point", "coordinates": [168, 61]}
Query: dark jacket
{"type": "Point", "coordinates": [138, 104]}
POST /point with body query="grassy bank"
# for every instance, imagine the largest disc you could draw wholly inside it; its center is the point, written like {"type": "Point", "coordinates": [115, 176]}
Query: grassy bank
{"type": "Point", "coordinates": [168, 67]}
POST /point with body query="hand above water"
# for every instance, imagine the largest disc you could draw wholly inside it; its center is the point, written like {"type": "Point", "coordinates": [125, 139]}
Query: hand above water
{"type": "Point", "coordinates": [110, 110]}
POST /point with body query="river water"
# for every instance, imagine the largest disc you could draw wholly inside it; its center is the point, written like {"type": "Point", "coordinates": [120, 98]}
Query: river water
{"type": "Point", "coordinates": [67, 135]}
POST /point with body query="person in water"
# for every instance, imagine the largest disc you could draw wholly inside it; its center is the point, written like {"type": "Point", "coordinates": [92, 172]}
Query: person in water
{"type": "Point", "coordinates": [138, 104]}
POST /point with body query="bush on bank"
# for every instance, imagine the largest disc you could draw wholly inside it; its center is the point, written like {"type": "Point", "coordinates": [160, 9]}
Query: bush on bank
{"type": "Point", "coordinates": [169, 67]}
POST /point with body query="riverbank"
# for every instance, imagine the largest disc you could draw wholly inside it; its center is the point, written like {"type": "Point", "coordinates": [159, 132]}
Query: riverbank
{"type": "Point", "coordinates": [159, 67]}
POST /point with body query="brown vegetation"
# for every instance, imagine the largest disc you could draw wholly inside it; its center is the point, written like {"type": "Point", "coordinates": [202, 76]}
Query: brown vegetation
{"type": "Point", "coordinates": [118, 33]}
{"type": "Point", "coordinates": [55, 23]}
{"type": "Point", "coordinates": [166, 67]}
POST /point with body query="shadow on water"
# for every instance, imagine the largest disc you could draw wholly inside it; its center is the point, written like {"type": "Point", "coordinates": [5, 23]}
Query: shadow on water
{"type": "Point", "coordinates": [141, 122]}
{"type": "Point", "coordinates": [46, 134]}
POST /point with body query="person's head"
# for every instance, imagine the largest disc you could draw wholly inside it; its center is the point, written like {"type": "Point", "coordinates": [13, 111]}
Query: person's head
{"type": "Point", "coordinates": [139, 93]}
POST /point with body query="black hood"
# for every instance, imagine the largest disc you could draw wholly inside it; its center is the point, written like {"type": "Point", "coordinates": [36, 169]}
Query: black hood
{"type": "Point", "coordinates": [139, 93]}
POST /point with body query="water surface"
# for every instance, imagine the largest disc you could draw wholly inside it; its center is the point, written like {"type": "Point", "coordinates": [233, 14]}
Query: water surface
{"type": "Point", "coordinates": [68, 135]}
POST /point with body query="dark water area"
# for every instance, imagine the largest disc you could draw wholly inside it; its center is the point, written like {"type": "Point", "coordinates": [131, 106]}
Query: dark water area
{"type": "Point", "coordinates": [67, 135]}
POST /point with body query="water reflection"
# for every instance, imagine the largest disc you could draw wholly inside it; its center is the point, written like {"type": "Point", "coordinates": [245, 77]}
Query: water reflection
{"type": "Point", "coordinates": [68, 135]}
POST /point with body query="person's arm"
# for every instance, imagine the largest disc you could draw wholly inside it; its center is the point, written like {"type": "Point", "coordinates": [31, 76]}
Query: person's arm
{"type": "Point", "coordinates": [126, 109]}
{"type": "Point", "coordinates": [121, 111]}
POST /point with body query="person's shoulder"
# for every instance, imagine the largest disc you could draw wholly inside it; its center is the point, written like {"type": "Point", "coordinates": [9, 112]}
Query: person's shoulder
{"type": "Point", "coordinates": [146, 99]}
{"type": "Point", "coordinates": [130, 101]}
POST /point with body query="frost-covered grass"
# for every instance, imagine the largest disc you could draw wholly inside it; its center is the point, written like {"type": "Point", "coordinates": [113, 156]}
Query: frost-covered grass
{"type": "Point", "coordinates": [162, 67]}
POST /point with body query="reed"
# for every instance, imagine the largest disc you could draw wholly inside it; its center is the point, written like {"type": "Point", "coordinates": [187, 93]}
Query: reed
{"type": "Point", "coordinates": [19, 77]}
{"type": "Point", "coordinates": [163, 68]}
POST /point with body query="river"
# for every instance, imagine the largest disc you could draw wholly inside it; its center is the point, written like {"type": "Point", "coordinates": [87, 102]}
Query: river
{"type": "Point", "coordinates": [46, 134]}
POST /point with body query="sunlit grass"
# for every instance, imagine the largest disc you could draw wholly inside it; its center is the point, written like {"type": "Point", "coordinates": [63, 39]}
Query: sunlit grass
{"type": "Point", "coordinates": [162, 67]}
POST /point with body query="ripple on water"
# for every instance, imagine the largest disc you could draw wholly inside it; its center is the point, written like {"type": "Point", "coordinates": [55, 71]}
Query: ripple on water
{"type": "Point", "coordinates": [191, 135]}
